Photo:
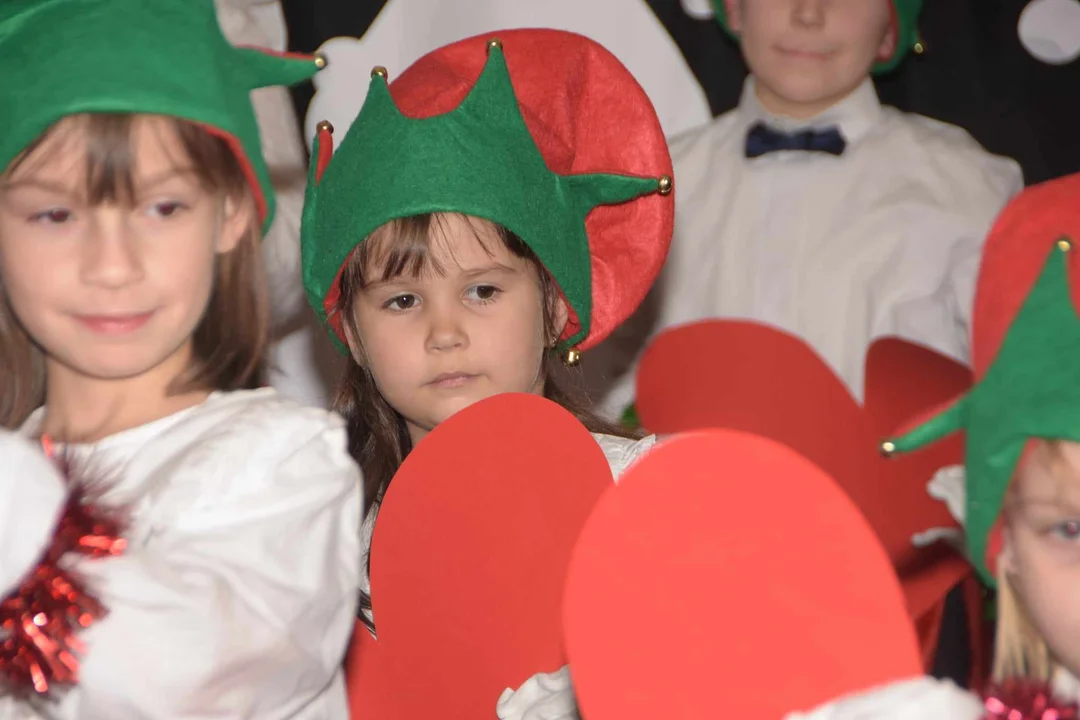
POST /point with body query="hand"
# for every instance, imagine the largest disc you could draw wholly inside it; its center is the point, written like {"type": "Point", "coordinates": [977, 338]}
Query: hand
{"type": "Point", "coordinates": [547, 696]}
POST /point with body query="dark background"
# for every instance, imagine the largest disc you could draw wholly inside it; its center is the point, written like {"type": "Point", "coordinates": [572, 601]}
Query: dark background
{"type": "Point", "coordinates": [974, 73]}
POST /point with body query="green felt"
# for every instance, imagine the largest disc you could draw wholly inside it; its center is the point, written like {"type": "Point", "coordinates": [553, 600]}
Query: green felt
{"type": "Point", "coordinates": [1032, 390]}
{"type": "Point", "coordinates": [164, 57]}
{"type": "Point", "coordinates": [907, 13]}
{"type": "Point", "coordinates": [479, 160]}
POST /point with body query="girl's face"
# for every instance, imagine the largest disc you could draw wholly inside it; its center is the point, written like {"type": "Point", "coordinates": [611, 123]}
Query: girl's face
{"type": "Point", "coordinates": [112, 290]}
{"type": "Point", "coordinates": [1042, 546]}
{"type": "Point", "coordinates": [448, 338]}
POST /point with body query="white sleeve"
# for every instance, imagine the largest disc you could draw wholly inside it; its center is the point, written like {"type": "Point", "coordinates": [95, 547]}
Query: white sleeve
{"type": "Point", "coordinates": [32, 497]}
{"type": "Point", "coordinates": [918, 699]}
{"type": "Point", "coordinates": [239, 605]}
{"type": "Point", "coordinates": [261, 23]}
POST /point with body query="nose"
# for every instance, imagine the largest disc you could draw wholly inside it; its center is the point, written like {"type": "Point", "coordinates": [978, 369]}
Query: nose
{"type": "Point", "coordinates": [446, 330]}
{"type": "Point", "coordinates": [111, 256]}
{"type": "Point", "coordinates": [808, 13]}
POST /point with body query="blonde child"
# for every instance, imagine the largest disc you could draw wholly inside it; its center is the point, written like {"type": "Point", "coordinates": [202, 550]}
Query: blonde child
{"type": "Point", "coordinates": [1022, 420]}
{"type": "Point", "coordinates": [133, 320]}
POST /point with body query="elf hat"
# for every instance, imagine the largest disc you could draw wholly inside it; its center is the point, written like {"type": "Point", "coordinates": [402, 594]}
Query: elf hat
{"type": "Point", "coordinates": [164, 57]}
{"type": "Point", "coordinates": [531, 129]}
{"type": "Point", "coordinates": [904, 27]}
{"type": "Point", "coordinates": [1025, 341]}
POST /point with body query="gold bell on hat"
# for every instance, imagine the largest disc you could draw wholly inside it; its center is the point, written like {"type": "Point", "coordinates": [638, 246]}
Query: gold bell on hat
{"type": "Point", "coordinates": [572, 357]}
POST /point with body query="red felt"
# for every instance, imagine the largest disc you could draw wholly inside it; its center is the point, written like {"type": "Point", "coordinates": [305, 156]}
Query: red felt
{"type": "Point", "coordinates": [469, 557]}
{"type": "Point", "coordinates": [1015, 253]}
{"type": "Point", "coordinates": [587, 114]}
{"type": "Point", "coordinates": [727, 576]}
{"type": "Point", "coordinates": [752, 377]}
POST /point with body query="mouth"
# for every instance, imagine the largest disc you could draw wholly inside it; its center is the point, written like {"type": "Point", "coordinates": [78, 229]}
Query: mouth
{"type": "Point", "coordinates": [451, 380]}
{"type": "Point", "coordinates": [114, 324]}
{"type": "Point", "coordinates": [800, 54]}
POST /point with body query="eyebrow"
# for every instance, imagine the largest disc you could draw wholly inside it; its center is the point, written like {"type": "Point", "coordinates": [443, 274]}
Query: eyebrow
{"type": "Point", "coordinates": [152, 181]}
{"type": "Point", "coordinates": [495, 268]}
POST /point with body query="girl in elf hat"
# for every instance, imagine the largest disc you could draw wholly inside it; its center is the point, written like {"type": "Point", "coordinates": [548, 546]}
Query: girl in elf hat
{"type": "Point", "coordinates": [133, 316]}
{"type": "Point", "coordinates": [506, 201]}
{"type": "Point", "coordinates": [1022, 424]}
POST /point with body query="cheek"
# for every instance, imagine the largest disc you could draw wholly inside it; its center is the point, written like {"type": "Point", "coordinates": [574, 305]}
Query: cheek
{"type": "Point", "coordinates": [32, 278]}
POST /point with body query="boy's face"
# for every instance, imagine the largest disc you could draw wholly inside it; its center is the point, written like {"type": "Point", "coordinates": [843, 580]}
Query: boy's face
{"type": "Point", "coordinates": [807, 55]}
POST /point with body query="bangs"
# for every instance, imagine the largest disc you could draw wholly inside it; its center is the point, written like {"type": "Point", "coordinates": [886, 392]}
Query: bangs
{"type": "Point", "coordinates": [109, 163]}
{"type": "Point", "coordinates": [406, 246]}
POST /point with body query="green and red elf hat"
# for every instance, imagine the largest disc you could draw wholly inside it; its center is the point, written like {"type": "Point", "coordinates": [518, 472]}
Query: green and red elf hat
{"type": "Point", "coordinates": [163, 57]}
{"type": "Point", "coordinates": [1025, 356]}
{"type": "Point", "coordinates": [542, 131]}
{"type": "Point", "coordinates": [905, 29]}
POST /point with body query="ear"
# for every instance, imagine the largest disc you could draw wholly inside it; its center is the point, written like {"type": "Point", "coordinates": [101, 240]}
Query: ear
{"type": "Point", "coordinates": [1006, 559]}
{"type": "Point", "coordinates": [734, 15]}
{"type": "Point", "coordinates": [888, 42]}
{"type": "Point", "coordinates": [239, 217]}
{"type": "Point", "coordinates": [560, 315]}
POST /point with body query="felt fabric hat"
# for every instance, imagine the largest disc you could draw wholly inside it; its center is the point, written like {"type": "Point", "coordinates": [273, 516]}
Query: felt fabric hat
{"type": "Point", "coordinates": [164, 57]}
{"type": "Point", "coordinates": [541, 131]}
{"type": "Point", "coordinates": [905, 29]}
{"type": "Point", "coordinates": [1025, 337]}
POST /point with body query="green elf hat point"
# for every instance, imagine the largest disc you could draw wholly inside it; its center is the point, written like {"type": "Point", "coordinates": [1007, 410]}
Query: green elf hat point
{"type": "Point", "coordinates": [1025, 337]}
{"type": "Point", "coordinates": [905, 28]}
{"type": "Point", "coordinates": [159, 57]}
{"type": "Point", "coordinates": [541, 131]}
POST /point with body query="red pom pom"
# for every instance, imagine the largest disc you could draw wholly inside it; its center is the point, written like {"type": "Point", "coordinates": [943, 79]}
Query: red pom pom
{"type": "Point", "coordinates": [39, 622]}
{"type": "Point", "coordinates": [1027, 700]}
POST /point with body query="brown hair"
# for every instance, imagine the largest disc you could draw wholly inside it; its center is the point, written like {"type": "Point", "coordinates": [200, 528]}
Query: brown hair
{"type": "Point", "coordinates": [230, 340]}
{"type": "Point", "coordinates": [378, 437]}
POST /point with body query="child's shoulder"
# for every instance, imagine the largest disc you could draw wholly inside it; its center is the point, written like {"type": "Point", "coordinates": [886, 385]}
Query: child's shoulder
{"type": "Point", "coordinates": [622, 452]}
{"type": "Point", "coordinates": [255, 433]}
{"type": "Point", "coordinates": [946, 147]}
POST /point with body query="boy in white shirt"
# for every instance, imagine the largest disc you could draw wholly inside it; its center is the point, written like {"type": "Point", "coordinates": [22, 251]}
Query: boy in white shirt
{"type": "Point", "coordinates": [813, 208]}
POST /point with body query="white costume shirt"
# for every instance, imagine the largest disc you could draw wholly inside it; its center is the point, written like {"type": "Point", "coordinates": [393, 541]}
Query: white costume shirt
{"type": "Point", "coordinates": [884, 239]}
{"type": "Point", "coordinates": [620, 454]}
{"type": "Point", "coordinates": [236, 597]}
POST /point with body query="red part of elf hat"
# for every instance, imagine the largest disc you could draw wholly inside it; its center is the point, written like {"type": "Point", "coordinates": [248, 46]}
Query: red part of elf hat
{"type": "Point", "coordinates": [728, 576]}
{"type": "Point", "coordinates": [591, 122]}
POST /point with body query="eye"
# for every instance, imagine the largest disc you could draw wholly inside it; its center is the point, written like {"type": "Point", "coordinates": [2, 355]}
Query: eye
{"type": "Point", "coordinates": [402, 302]}
{"type": "Point", "coordinates": [167, 209]}
{"type": "Point", "coordinates": [483, 293]}
{"type": "Point", "coordinates": [55, 216]}
{"type": "Point", "coordinates": [1068, 530]}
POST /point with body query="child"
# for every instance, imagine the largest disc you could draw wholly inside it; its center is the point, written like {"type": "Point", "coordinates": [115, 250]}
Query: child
{"type": "Point", "coordinates": [813, 208]}
{"type": "Point", "coordinates": [456, 243]}
{"type": "Point", "coordinates": [132, 199]}
{"type": "Point", "coordinates": [1022, 421]}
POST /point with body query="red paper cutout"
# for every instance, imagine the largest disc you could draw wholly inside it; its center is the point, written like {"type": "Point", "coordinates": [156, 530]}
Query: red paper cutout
{"type": "Point", "coordinates": [751, 377]}
{"type": "Point", "coordinates": [727, 576]}
{"type": "Point", "coordinates": [469, 557]}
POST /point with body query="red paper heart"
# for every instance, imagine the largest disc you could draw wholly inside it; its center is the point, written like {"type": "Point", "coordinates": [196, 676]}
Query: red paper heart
{"type": "Point", "coordinates": [751, 377]}
{"type": "Point", "coordinates": [469, 557]}
{"type": "Point", "coordinates": [727, 576]}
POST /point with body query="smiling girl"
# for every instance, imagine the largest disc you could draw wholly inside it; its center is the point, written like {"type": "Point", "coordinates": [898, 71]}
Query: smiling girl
{"type": "Point", "coordinates": [132, 326]}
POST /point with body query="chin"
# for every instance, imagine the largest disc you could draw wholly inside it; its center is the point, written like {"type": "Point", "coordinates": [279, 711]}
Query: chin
{"type": "Point", "coordinates": [115, 365]}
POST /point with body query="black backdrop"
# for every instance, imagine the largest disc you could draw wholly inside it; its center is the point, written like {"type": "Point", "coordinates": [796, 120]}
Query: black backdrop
{"type": "Point", "coordinates": [974, 73]}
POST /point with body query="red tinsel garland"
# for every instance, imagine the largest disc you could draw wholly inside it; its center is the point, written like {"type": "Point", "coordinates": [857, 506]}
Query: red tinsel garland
{"type": "Point", "coordinates": [40, 621]}
{"type": "Point", "coordinates": [1027, 700]}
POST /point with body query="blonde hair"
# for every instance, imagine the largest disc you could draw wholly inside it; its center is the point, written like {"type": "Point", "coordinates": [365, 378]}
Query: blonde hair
{"type": "Point", "coordinates": [1019, 649]}
{"type": "Point", "coordinates": [230, 340]}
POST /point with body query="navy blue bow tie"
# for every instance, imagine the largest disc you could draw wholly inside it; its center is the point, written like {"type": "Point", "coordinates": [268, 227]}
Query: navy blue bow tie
{"type": "Point", "coordinates": [761, 140]}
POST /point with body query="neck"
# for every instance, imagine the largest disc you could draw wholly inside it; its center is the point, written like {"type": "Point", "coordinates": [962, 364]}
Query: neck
{"type": "Point", "coordinates": [79, 408]}
{"type": "Point", "coordinates": [785, 107]}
